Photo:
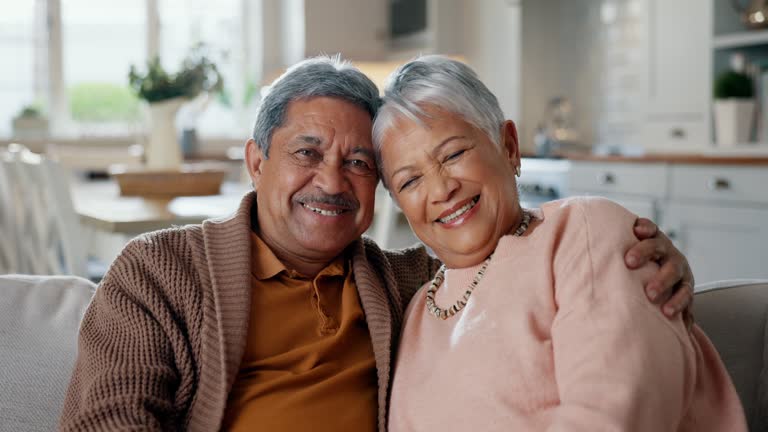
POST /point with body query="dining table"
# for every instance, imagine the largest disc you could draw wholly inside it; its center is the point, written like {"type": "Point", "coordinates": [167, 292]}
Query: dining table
{"type": "Point", "coordinates": [100, 207]}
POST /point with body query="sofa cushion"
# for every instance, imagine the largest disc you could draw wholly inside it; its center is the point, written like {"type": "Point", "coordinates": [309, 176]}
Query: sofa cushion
{"type": "Point", "coordinates": [39, 320]}
{"type": "Point", "coordinates": [735, 317]}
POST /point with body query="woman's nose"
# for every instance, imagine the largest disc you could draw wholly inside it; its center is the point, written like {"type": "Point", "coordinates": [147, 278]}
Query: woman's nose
{"type": "Point", "coordinates": [442, 186]}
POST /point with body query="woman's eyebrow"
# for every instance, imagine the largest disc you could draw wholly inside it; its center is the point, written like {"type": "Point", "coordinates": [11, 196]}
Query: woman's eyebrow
{"type": "Point", "coordinates": [435, 151]}
{"type": "Point", "coordinates": [439, 147]}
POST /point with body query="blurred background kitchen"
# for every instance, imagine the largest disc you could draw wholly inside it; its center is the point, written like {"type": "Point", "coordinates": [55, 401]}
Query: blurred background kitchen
{"type": "Point", "coordinates": [659, 105]}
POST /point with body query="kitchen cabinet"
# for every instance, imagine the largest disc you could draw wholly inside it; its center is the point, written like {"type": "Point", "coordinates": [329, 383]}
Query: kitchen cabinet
{"type": "Point", "coordinates": [717, 217]}
{"type": "Point", "coordinates": [677, 87]}
{"type": "Point", "coordinates": [637, 186]}
{"type": "Point", "coordinates": [720, 241]}
{"type": "Point", "coordinates": [715, 214]}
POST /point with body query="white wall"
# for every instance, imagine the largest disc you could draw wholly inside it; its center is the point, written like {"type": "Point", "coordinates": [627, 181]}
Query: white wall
{"type": "Point", "coordinates": [356, 28]}
{"type": "Point", "coordinates": [568, 50]}
{"type": "Point", "coordinates": [493, 46]}
{"type": "Point", "coordinates": [540, 63]}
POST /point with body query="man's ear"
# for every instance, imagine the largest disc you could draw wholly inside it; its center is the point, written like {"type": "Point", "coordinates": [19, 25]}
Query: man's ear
{"type": "Point", "coordinates": [510, 142]}
{"type": "Point", "coordinates": [254, 157]}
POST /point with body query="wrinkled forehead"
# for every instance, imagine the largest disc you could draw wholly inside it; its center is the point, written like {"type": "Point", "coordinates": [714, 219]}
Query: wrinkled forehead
{"type": "Point", "coordinates": [328, 118]}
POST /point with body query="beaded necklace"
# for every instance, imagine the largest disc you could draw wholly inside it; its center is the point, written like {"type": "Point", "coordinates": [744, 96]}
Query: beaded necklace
{"type": "Point", "coordinates": [444, 314]}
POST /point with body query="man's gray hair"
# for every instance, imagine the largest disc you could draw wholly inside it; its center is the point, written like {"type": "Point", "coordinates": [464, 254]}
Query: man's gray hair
{"type": "Point", "coordinates": [441, 82]}
{"type": "Point", "coordinates": [322, 76]}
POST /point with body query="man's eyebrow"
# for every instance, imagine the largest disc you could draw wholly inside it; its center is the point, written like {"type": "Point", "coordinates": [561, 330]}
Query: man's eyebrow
{"type": "Point", "coordinates": [364, 151]}
{"type": "Point", "coordinates": [310, 139]}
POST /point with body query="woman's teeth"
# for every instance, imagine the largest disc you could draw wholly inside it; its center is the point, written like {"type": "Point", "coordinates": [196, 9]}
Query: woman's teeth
{"type": "Point", "coordinates": [465, 208]}
{"type": "Point", "coordinates": [323, 212]}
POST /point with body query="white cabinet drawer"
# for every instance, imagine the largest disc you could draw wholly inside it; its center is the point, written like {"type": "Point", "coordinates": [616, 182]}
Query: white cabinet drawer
{"type": "Point", "coordinates": [672, 135]}
{"type": "Point", "coordinates": [720, 183]}
{"type": "Point", "coordinates": [619, 178]}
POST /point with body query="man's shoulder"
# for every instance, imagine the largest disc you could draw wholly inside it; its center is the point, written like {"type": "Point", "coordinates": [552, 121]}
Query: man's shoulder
{"type": "Point", "coordinates": [167, 241]}
{"type": "Point", "coordinates": [158, 252]}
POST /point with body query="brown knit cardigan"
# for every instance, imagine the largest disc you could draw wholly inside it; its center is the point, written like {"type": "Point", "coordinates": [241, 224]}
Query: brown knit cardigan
{"type": "Point", "coordinates": [162, 340]}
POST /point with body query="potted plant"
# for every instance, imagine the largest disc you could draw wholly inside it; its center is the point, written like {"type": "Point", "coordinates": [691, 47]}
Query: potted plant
{"type": "Point", "coordinates": [166, 93]}
{"type": "Point", "coordinates": [734, 106]}
{"type": "Point", "coordinates": [30, 123]}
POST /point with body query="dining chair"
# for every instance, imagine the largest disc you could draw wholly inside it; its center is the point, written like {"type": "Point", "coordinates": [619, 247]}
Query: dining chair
{"type": "Point", "coordinates": [9, 262]}
{"type": "Point", "coordinates": [49, 237]}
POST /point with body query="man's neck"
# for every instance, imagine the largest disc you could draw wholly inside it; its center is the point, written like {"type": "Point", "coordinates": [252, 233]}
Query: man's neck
{"type": "Point", "coordinates": [306, 267]}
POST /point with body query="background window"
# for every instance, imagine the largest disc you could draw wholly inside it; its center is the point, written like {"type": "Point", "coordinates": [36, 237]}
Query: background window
{"type": "Point", "coordinates": [100, 42]}
{"type": "Point", "coordinates": [17, 62]}
{"type": "Point", "coordinates": [218, 25]}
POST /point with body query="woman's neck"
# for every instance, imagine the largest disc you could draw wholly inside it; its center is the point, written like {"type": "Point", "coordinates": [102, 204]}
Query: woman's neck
{"type": "Point", "coordinates": [507, 226]}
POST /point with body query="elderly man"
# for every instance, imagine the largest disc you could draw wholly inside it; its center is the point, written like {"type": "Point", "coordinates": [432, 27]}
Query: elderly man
{"type": "Point", "coordinates": [280, 317]}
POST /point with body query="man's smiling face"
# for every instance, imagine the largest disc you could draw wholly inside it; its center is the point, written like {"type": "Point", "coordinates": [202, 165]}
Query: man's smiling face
{"type": "Point", "coordinates": [316, 188]}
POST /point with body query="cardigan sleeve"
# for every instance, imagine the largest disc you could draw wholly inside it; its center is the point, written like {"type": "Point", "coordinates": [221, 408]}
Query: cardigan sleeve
{"type": "Point", "coordinates": [412, 267]}
{"type": "Point", "coordinates": [126, 373]}
{"type": "Point", "coordinates": [620, 365]}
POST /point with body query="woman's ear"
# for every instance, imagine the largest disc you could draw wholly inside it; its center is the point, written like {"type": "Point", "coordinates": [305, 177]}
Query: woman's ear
{"type": "Point", "coordinates": [254, 156]}
{"type": "Point", "coordinates": [510, 142]}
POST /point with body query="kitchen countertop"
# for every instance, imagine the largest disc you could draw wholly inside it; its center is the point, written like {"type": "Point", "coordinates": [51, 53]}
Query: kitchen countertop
{"type": "Point", "coordinates": [679, 158]}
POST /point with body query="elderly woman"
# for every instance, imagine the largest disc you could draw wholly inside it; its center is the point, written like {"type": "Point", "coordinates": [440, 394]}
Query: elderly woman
{"type": "Point", "coordinates": [532, 323]}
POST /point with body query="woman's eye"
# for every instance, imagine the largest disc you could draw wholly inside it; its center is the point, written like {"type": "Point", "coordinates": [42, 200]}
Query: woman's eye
{"type": "Point", "coordinates": [454, 155]}
{"type": "Point", "coordinates": [408, 183]}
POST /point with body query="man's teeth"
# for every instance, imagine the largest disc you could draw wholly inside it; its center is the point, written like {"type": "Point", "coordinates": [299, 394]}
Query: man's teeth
{"type": "Point", "coordinates": [460, 211]}
{"type": "Point", "coordinates": [324, 212]}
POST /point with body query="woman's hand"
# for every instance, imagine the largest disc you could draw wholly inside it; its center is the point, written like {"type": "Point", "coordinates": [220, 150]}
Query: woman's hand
{"type": "Point", "coordinates": [673, 284]}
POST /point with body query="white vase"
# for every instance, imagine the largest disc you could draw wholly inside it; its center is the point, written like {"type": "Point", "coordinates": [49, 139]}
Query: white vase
{"type": "Point", "coordinates": [733, 121]}
{"type": "Point", "coordinates": [163, 151]}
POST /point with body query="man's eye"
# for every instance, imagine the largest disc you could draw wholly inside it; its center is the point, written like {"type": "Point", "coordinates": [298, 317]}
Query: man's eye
{"type": "Point", "coordinates": [307, 153]}
{"type": "Point", "coordinates": [358, 163]}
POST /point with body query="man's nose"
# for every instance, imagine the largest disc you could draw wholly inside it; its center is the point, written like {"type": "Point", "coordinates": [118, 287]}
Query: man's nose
{"type": "Point", "coordinates": [330, 178]}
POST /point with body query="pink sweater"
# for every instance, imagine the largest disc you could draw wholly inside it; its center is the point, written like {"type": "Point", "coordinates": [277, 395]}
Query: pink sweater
{"type": "Point", "coordinates": [559, 336]}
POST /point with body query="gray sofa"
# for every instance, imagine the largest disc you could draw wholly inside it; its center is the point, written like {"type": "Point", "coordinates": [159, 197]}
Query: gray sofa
{"type": "Point", "coordinates": [39, 319]}
{"type": "Point", "coordinates": [733, 314]}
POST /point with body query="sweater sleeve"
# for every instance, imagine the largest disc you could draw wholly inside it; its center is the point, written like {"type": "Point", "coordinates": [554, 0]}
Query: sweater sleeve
{"type": "Point", "coordinates": [620, 365]}
{"type": "Point", "coordinates": [412, 267]}
{"type": "Point", "coordinates": [125, 375]}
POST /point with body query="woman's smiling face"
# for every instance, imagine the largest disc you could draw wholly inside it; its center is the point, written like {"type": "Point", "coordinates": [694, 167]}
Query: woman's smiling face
{"type": "Point", "coordinates": [456, 187]}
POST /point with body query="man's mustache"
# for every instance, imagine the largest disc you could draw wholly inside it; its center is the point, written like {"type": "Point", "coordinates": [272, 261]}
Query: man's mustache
{"type": "Point", "coordinates": [343, 200]}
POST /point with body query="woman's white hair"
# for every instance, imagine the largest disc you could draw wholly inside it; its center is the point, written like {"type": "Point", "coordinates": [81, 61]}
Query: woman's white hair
{"type": "Point", "coordinates": [440, 82]}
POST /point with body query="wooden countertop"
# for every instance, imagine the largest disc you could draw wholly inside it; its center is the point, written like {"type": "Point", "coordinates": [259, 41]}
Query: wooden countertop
{"type": "Point", "coordinates": [678, 158]}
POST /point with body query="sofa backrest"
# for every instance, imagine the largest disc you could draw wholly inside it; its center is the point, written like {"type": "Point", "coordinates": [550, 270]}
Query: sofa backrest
{"type": "Point", "coordinates": [39, 321]}
{"type": "Point", "coordinates": [734, 316]}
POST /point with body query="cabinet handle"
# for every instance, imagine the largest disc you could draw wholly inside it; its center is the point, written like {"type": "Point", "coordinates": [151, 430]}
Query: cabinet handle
{"type": "Point", "coordinates": [606, 178]}
{"type": "Point", "coordinates": [718, 184]}
{"type": "Point", "coordinates": [677, 133]}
